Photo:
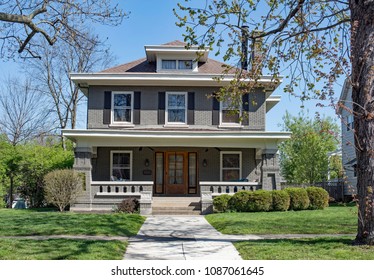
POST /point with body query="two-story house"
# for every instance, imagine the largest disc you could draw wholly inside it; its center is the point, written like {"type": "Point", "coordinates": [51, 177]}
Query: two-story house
{"type": "Point", "coordinates": [156, 131]}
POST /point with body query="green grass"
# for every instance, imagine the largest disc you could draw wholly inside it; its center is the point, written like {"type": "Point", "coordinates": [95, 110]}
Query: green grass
{"type": "Point", "coordinates": [327, 248]}
{"type": "Point", "coordinates": [332, 220]}
{"type": "Point", "coordinates": [61, 249]}
{"type": "Point", "coordinates": [30, 222]}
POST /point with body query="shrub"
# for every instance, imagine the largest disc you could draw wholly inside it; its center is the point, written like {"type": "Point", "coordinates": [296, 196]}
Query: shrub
{"type": "Point", "coordinates": [298, 198]}
{"type": "Point", "coordinates": [281, 200]}
{"type": "Point", "coordinates": [259, 201]}
{"type": "Point", "coordinates": [128, 205]}
{"type": "Point", "coordinates": [62, 187]}
{"type": "Point", "coordinates": [220, 203]}
{"type": "Point", "coordinates": [238, 202]}
{"type": "Point", "coordinates": [318, 197]}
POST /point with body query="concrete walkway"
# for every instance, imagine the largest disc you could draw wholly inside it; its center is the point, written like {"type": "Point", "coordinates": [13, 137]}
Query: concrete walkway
{"type": "Point", "coordinates": [180, 238]}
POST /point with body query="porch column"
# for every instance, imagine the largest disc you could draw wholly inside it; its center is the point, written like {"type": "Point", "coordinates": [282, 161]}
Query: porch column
{"type": "Point", "coordinates": [82, 164]}
{"type": "Point", "coordinates": [270, 170]}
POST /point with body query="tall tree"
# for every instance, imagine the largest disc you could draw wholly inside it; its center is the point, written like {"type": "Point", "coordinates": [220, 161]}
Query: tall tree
{"type": "Point", "coordinates": [52, 71]}
{"type": "Point", "coordinates": [304, 157]}
{"type": "Point", "coordinates": [23, 117]}
{"type": "Point", "coordinates": [317, 41]}
{"type": "Point", "coordinates": [23, 22]}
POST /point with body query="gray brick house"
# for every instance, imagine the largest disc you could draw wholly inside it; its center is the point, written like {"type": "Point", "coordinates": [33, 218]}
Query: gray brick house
{"type": "Point", "coordinates": [155, 132]}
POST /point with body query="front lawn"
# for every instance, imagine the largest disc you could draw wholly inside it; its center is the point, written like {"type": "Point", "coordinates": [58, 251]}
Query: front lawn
{"type": "Point", "coordinates": [33, 222]}
{"type": "Point", "coordinates": [338, 219]}
{"type": "Point", "coordinates": [61, 249]}
{"type": "Point", "coordinates": [326, 248]}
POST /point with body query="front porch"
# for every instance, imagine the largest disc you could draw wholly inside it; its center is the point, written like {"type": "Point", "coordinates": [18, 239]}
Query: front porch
{"type": "Point", "coordinates": [148, 164]}
{"type": "Point", "coordinates": [104, 195]}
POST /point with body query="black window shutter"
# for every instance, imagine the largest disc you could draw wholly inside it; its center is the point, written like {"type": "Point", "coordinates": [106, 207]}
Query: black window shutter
{"type": "Point", "coordinates": [215, 111]}
{"type": "Point", "coordinates": [107, 107]}
{"type": "Point", "coordinates": [245, 102]}
{"type": "Point", "coordinates": [191, 108]}
{"type": "Point", "coordinates": [137, 101]}
{"type": "Point", "coordinates": [161, 108]}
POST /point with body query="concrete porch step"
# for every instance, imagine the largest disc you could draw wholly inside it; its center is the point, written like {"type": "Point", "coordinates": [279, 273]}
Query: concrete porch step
{"type": "Point", "coordinates": [174, 211]}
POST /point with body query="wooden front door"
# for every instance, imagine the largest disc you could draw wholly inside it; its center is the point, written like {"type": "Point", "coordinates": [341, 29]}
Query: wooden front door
{"type": "Point", "coordinates": [176, 173]}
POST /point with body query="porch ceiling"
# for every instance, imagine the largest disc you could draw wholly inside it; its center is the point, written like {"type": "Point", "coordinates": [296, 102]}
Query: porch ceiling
{"type": "Point", "coordinates": [224, 139]}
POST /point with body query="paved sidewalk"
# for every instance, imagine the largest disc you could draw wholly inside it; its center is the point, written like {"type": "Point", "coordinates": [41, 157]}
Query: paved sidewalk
{"type": "Point", "coordinates": [180, 238]}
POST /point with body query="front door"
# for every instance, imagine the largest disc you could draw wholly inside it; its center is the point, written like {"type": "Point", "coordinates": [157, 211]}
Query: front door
{"type": "Point", "coordinates": [176, 173]}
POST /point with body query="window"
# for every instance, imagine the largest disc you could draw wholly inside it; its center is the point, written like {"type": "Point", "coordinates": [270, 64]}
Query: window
{"type": "Point", "coordinates": [231, 166]}
{"type": "Point", "coordinates": [185, 64]}
{"type": "Point", "coordinates": [176, 104]}
{"type": "Point", "coordinates": [122, 106]}
{"type": "Point", "coordinates": [350, 122]}
{"type": "Point", "coordinates": [173, 64]}
{"type": "Point", "coordinates": [230, 115]}
{"type": "Point", "coordinates": [169, 64]}
{"type": "Point", "coordinates": [121, 162]}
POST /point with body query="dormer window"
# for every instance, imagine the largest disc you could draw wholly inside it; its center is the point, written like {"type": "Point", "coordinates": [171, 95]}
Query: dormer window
{"type": "Point", "coordinates": [175, 64]}
{"type": "Point", "coordinates": [169, 64]}
{"type": "Point", "coordinates": [185, 64]}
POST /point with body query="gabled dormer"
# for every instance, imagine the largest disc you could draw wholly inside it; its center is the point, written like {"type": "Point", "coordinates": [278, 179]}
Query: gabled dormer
{"type": "Point", "coordinates": [175, 57]}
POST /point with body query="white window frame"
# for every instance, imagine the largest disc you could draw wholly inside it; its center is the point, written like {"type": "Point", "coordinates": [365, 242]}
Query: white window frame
{"type": "Point", "coordinates": [111, 161]}
{"type": "Point", "coordinates": [229, 124]}
{"type": "Point", "coordinates": [221, 163]}
{"type": "Point", "coordinates": [167, 108]}
{"type": "Point", "coordinates": [131, 107]}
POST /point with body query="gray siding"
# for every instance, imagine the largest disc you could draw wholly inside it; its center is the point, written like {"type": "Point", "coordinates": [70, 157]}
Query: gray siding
{"type": "Point", "coordinates": [348, 149]}
{"type": "Point", "coordinates": [149, 106]}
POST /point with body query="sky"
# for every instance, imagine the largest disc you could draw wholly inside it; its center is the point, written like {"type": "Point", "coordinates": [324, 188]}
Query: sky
{"type": "Point", "coordinates": [152, 22]}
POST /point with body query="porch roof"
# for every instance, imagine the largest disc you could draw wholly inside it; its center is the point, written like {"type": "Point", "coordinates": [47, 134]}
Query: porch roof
{"type": "Point", "coordinates": [175, 138]}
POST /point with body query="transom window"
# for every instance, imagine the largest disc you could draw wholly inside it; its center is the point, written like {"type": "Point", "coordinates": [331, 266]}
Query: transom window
{"type": "Point", "coordinates": [231, 166]}
{"type": "Point", "coordinates": [176, 107]}
{"type": "Point", "coordinates": [229, 114]}
{"type": "Point", "coordinates": [122, 105]}
{"type": "Point", "coordinates": [121, 163]}
{"type": "Point", "coordinates": [174, 64]}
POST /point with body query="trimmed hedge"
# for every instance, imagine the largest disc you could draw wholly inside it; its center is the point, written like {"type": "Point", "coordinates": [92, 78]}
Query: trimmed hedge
{"type": "Point", "coordinates": [281, 200]}
{"type": "Point", "coordinates": [299, 199]}
{"type": "Point", "coordinates": [318, 197]}
{"type": "Point", "coordinates": [276, 200]}
{"type": "Point", "coordinates": [220, 203]}
{"type": "Point", "coordinates": [238, 202]}
{"type": "Point", "coordinates": [259, 201]}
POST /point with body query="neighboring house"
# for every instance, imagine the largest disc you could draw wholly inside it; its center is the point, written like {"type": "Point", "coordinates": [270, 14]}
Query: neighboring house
{"type": "Point", "coordinates": [154, 130]}
{"type": "Point", "coordinates": [348, 144]}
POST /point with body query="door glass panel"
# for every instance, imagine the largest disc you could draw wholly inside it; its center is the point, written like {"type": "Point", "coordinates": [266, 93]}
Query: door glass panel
{"type": "Point", "coordinates": [159, 172]}
{"type": "Point", "coordinates": [175, 169]}
{"type": "Point", "coordinates": [192, 170]}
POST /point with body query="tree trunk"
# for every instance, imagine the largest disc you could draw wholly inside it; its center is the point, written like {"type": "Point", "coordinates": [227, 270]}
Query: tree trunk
{"type": "Point", "coordinates": [362, 58]}
{"type": "Point", "coordinates": [10, 199]}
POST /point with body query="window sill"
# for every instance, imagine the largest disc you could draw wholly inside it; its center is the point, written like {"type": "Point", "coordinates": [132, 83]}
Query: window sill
{"type": "Point", "coordinates": [230, 126]}
{"type": "Point", "coordinates": [122, 125]}
{"type": "Point", "coordinates": [176, 125]}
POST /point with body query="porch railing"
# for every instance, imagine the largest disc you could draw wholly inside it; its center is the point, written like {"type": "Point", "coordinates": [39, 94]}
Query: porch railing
{"type": "Point", "coordinates": [141, 189]}
{"type": "Point", "coordinates": [208, 190]}
{"type": "Point", "coordinates": [121, 188]}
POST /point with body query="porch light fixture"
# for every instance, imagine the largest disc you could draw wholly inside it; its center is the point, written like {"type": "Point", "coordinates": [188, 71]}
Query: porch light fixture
{"type": "Point", "coordinates": [205, 163]}
{"type": "Point", "coordinates": [146, 162]}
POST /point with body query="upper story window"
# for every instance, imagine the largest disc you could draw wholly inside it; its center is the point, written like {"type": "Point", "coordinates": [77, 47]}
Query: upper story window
{"type": "Point", "coordinates": [122, 107]}
{"type": "Point", "coordinates": [185, 64]}
{"type": "Point", "coordinates": [229, 114]}
{"type": "Point", "coordinates": [176, 105]}
{"type": "Point", "coordinates": [350, 122]}
{"type": "Point", "coordinates": [177, 64]}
